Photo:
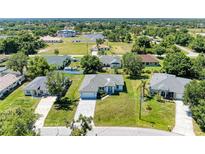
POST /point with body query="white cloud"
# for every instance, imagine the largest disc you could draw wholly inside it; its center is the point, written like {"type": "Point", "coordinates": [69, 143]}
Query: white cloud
{"type": "Point", "coordinates": [102, 8]}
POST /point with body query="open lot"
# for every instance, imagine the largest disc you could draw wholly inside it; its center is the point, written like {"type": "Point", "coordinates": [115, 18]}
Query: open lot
{"type": "Point", "coordinates": [68, 47]}
{"type": "Point", "coordinates": [123, 110]}
{"type": "Point", "coordinates": [119, 48]}
{"type": "Point", "coordinates": [17, 98]}
{"type": "Point", "coordinates": [62, 116]}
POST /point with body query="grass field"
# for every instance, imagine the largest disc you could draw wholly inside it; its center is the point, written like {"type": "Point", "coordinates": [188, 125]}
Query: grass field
{"type": "Point", "coordinates": [120, 47]}
{"type": "Point", "coordinates": [67, 47]}
{"type": "Point", "coordinates": [59, 117]}
{"type": "Point", "coordinates": [83, 48]}
{"type": "Point", "coordinates": [123, 110]}
{"type": "Point", "coordinates": [17, 99]}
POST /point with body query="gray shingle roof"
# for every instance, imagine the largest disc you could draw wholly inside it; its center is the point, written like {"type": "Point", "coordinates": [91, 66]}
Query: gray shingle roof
{"type": "Point", "coordinates": [56, 60]}
{"type": "Point", "coordinates": [38, 83]}
{"type": "Point", "coordinates": [162, 81]}
{"type": "Point", "coordinates": [107, 60]}
{"type": "Point", "coordinates": [92, 82]}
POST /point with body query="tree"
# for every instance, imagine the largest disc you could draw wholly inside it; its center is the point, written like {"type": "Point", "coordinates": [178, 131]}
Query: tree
{"type": "Point", "coordinates": [198, 44]}
{"type": "Point", "coordinates": [90, 64]}
{"type": "Point", "coordinates": [38, 66]}
{"type": "Point", "coordinates": [199, 67]}
{"type": "Point", "coordinates": [182, 38]}
{"type": "Point", "coordinates": [56, 52]}
{"type": "Point", "coordinates": [194, 96]}
{"type": "Point", "coordinates": [57, 83]}
{"type": "Point", "coordinates": [85, 126]}
{"type": "Point", "coordinates": [128, 38]}
{"type": "Point", "coordinates": [132, 64]}
{"type": "Point", "coordinates": [10, 45]}
{"type": "Point", "coordinates": [17, 122]}
{"type": "Point", "coordinates": [178, 63]}
{"type": "Point", "coordinates": [99, 41]}
{"type": "Point", "coordinates": [143, 41]}
{"type": "Point", "coordinates": [159, 50]}
{"type": "Point", "coordinates": [18, 62]}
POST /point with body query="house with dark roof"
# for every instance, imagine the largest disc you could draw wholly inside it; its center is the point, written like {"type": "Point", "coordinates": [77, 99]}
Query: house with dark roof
{"type": "Point", "coordinates": [149, 60]}
{"type": "Point", "coordinates": [9, 82]}
{"type": "Point", "coordinates": [111, 61]}
{"type": "Point", "coordinates": [66, 33]}
{"type": "Point", "coordinates": [37, 87]}
{"type": "Point", "coordinates": [168, 86]}
{"type": "Point", "coordinates": [108, 83]}
{"type": "Point", "coordinates": [59, 61]}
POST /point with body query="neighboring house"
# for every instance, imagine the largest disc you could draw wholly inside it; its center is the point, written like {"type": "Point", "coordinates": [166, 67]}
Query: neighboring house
{"type": "Point", "coordinates": [66, 33]}
{"type": "Point", "coordinates": [94, 37]}
{"type": "Point", "coordinates": [149, 60]}
{"type": "Point", "coordinates": [49, 39]}
{"type": "Point", "coordinates": [37, 87]}
{"type": "Point", "coordinates": [2, 69]}
{"type": "Point", "coordinates": [100, 47]}
{"type": "Point", "coordinates": [92, 84]}
{"type": "Point", "coordinates": [59, 61]}
{"type": "Point", "coordinates": [111, 61]}
{"type": "Point", "coordinates": [167, 85]}
{"type": "Point", "coordinates": [10, 81]}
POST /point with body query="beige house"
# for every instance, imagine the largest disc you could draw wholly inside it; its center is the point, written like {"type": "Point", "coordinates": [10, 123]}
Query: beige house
{"type": "Point", "coordinates": [49, 39]}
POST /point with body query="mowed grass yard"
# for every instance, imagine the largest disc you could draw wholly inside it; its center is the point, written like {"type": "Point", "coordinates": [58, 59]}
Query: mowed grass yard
{"type": "Point", "coordinates": [17, 99]}
{"type": "Point", "coordinates": [63, 116]}
{"type": "Point", "coordinates": [123, 110]}
{"type": "Point", "coordinates": [68, 47]}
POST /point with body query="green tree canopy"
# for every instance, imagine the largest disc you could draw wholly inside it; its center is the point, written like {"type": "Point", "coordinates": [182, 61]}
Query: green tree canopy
{"type": "Point", "coordinates": [17, 122]}
{"type": "Point", "coordinates": [132, 64]}
{"type": "Point", "coordinates": [18, 62]}
{"type": "Point", "coordinates": [178, 63]}
{"type": "Point", "coordinates": [198, 44]}
{"type": "Point", "coordinates": [38, 66]}
{"type": "Point", "coordinates": [90, 64]}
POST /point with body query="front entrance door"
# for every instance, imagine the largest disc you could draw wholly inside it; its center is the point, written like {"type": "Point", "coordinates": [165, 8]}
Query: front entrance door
{"type": "Point", "coordinates": [109, 90]}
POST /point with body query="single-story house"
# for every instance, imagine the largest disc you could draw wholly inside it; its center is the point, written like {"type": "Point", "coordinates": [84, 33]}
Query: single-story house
{"type": "Point", "coordinates": [94, 37]}
{"type": "Point", "coordinates": [92, 84]}
{"type": "Point", "coordinates": [149, 60]}
{"type": "Point", "coordinates": [168, 86]}
{"type": "Point", "coordinates": [66, 33]}
{"type": "Point", "coordinates": [37, 87]}
{"type": "Point", "coordinates": [100, 47]}
{"type": "Point", "coordinates": [9, 81]}
{"type": "Point", "coordinates": [49, 39]}
{"type": "Point", "coordinates": [110, 61]}
{"type": "Point", "coordinates": [59, 61]}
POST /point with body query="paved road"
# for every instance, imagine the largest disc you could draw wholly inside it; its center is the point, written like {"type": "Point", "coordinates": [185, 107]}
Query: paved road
{"type": "Point", "coordinates": [183, 120]}
{"type": "Point", "coordinates": [191, 53]}
{"type": "Point", "coordinates": [42, 109]}
{"type": "Point", "coordinates": [86, 108]}
{"type": "Point", "coordinates": [128, 131]}
{"type": "Point", "coordinates": [55, 131]}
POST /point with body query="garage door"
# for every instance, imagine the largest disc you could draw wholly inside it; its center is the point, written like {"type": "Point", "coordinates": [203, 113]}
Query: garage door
{"type": "Point", "coordinates": [88, 95]}
{"type": "Point", "coordinates": [179, 96]}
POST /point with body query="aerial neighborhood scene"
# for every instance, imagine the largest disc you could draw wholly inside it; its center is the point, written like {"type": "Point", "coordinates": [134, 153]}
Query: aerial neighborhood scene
{"type": "Point", "coordinates": [102, 77]}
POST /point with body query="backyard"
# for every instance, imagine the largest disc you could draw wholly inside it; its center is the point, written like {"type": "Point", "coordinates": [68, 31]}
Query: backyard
{"type": "Point", "coordinates": [18, 99]}
{"type": "Point", "coordinates": [123, 110]}
{"type": "Point", "coordinates": [64, 115]}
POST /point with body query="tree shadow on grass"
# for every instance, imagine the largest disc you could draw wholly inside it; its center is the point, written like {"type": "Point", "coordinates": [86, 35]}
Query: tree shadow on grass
{"type": "Point", "coordinates": [65, 104]}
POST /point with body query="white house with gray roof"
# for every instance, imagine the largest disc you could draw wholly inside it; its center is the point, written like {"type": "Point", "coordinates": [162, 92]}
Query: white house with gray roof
{"type": "Point", "coordinates": [109, 83]}
{"type": "Point", "coordinates": [37, 87]}
{"type": "Point", "coordinates": [111, 61]}
{"type": "Point", "coordinates": [167, 85]}
{"type": "Point", "coordinates": [10, 81]}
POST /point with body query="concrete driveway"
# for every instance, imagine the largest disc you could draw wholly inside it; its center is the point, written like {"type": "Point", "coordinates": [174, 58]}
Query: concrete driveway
{"type": "Point", "coordinates": [183, 120]}
{"type": "Point", "coordinates": [190, 52]}
{"type": "Point", "coordinates": [128, 131]}
{"type": "Point", "coordinates": [55, 131]}
{"type": "Point", "coordinates": [42, 109]}
{"type": "Point", "coordinates": [86, 108]}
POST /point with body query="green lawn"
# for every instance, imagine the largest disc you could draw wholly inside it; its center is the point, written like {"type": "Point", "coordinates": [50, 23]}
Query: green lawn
{"type": "Point", "coordinates": [59, 117]}
{"type": "Point", "coordinates": [17, 99]}
{"type": "Point", "coordinates": [123, 110]}
{"type": "Point", "coordinates": [67, 47]}
{"type": "Point", "coordinates": [197, 129]}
